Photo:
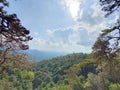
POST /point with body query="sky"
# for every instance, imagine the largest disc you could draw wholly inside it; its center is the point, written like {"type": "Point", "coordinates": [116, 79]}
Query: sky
{"type": "Point", "coordinates": [61, 25]}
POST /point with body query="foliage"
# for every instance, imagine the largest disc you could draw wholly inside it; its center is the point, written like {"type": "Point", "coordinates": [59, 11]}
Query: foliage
{"type": "Point", "coordinates": [12, 34]}
{"type": "Point", "coordinates": [109, 6]}
{"type": "Point", "coordinates": [106, 48]}
{"type": "Point", "coordinates": [107, 44]}
{"type": "Point", "coordinates": [96, 82]}
{"type": "Point", "coordinates": [114, 86]}
{"type": "Point", "coordinates": [78, 74]}
{"type": "Point", "coordinates": [16, 77]}
{"type": "Point", "coordinates": [55, 74]}
{"type": "Point", "coordinates": [63, 73]}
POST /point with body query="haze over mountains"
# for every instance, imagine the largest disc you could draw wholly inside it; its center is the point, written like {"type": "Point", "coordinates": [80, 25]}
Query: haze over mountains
{"type": "Point", "coordinates": [41, 55]}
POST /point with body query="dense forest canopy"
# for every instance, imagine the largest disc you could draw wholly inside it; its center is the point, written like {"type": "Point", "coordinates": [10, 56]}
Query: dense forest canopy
{"type": "Point", "coordinates": [77, 71]}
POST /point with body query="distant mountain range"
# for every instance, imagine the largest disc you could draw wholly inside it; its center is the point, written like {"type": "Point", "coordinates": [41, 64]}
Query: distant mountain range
{"type": "Point", "coordinates": [41, 55]}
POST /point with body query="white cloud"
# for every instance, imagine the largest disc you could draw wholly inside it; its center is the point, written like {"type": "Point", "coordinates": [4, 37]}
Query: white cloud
{"type": "Point", "coordinates": [91, 17]}
{"type": "Point", "coordinates": [73, 6]}
{"type": "Point", "coordinates": [69, 40]}
{"type": "Point", "coordinates": [49, 33]}
{"type": "Point", "coordinates": [87, 14]}
{"type": "Point", "coordinates": [77, 38]}
{"type": "Point", "coordinates": [36, 33]}
{"type": "Point", "coordinates": [74, 35]}
{"type": "Point", "coordinates": [58, 46]}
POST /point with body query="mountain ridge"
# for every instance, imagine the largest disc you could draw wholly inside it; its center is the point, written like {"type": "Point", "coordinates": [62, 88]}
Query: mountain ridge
{"type": "Point", "coordinates": [43, 55]}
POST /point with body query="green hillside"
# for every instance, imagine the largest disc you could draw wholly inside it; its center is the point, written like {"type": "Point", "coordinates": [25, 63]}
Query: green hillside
{"type": "Point", "coordinates": [55, 71]}
{"type": "Point", "coordinates": [77, 71]}
{"type": "Point", "coordinates": [45, 75]}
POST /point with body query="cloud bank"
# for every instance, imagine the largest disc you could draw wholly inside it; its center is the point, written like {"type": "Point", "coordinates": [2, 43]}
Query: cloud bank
{"type": "Point", "coordinates": [89, 21]}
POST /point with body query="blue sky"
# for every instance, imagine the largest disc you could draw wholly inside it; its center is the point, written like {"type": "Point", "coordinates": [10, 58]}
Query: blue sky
{"type": "Point", "coordinates": [61, 25]}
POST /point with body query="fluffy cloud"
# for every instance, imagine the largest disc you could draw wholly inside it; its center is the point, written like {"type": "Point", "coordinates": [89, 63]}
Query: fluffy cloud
{"type": "Point", "coordinates": [91, 17]}
{"type": "Point", "coordinates": [73, 6]}
{"type": "Point", "coordinates": [74, 35]}
{"type": "Point", "coordinates": [87, 14]}
{"type": "Point", "coordinates": [58, 46]}
{"type": "Point", "coordinates": [89, 21]}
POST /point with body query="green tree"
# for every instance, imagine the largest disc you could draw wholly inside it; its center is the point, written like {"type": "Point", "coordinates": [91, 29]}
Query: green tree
{"type": "Point", "coordinates": [95, 82]}
{"type": "Point", "coordinates": [107, 44]}
{"type": "Point", "coordinates": [106, 48]}
{"type": "Point", "coordinates": [12, 34]}
{"type": "Point", "coordinates": [114, 86]}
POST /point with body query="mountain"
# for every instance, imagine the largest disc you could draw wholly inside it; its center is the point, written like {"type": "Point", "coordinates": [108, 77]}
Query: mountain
{"type": "Point", "coordinates": [41, 55]}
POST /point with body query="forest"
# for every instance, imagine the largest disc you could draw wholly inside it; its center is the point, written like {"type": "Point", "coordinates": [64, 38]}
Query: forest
{"type": "Point", "coordinates": [77, 71]}
{"type": "Point", "coordinates": [98, 70]}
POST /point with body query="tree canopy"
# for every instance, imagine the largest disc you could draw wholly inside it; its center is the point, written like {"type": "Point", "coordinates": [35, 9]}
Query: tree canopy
{"type": "Point", "coordinates": [109, 6]}
{"type": "Point", "coordinates": [107, 47]}
{"type": "Point", "coordinates": [107, 44]}
{"type": "Point", "coordinates": [13, 35]}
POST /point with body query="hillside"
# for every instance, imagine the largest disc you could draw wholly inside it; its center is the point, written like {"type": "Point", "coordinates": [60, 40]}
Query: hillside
{"type": "Point", "coordinates": [57, 71]}
{"type": "Point", "coordinates": [43, 75]}
{"type": "Point", "coordinates": [76, 71]}
{"type": "Point", "coordinates": [61, 62]}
